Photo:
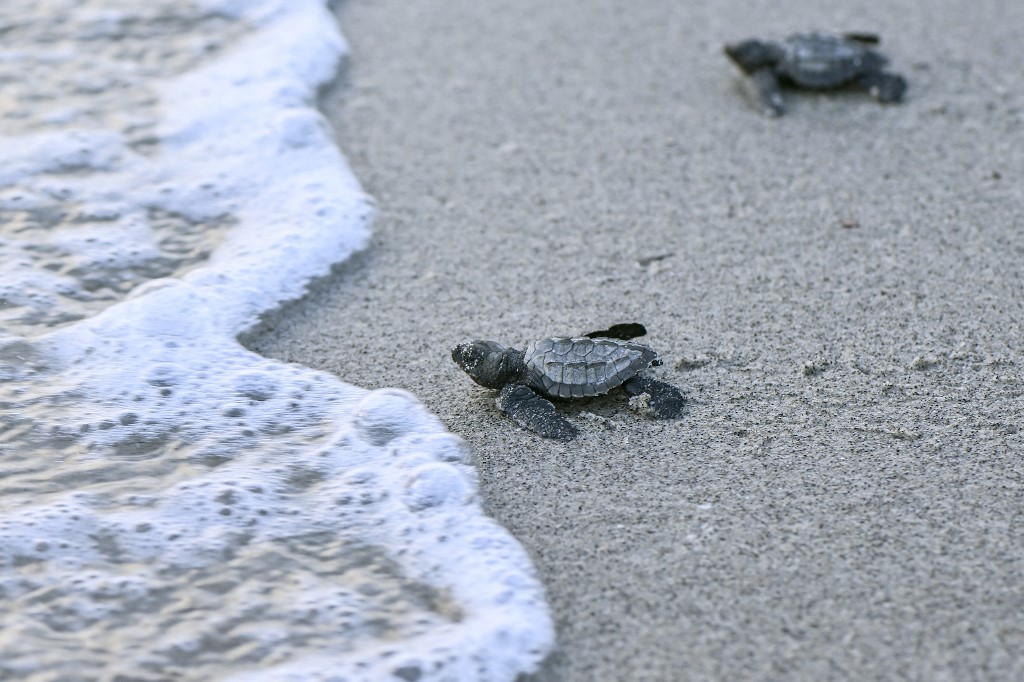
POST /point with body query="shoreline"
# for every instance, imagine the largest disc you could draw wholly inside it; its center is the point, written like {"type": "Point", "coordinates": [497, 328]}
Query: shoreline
{"type": "Point", "coordinates": [165, 490]}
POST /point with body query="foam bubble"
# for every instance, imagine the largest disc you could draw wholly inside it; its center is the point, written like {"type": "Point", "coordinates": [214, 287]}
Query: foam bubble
{"type": "Point", "coordinates": [162, 489]}
{"type": "Point", "coordinates": [389, 413]}
{"type": "Point", "coordinates": [434, 485]}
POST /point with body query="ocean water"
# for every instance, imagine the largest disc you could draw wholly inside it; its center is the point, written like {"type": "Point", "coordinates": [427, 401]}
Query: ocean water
{"type": "Point", "coordinates": [173, 506]}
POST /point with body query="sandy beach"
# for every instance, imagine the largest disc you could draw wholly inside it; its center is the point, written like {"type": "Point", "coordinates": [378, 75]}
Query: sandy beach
{"type": "Point", "coordinates": [836, 292]}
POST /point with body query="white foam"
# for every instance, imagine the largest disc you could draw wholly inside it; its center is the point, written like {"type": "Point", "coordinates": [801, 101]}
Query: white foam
{"type": "Point", "coordinates": [162, 489]}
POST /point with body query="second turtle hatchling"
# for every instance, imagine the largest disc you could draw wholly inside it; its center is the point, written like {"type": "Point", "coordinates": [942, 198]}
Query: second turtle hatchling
{"type": "Point", "coordinates": [567, 367]}
{"type": "Point", "coordinates": [815, 61]}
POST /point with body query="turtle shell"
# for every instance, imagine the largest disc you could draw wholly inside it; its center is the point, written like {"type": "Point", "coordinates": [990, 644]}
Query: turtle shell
{"type": "Point", "coordinates": [822, 60]}
{"type": "Point", "coordinates": [583, 367]}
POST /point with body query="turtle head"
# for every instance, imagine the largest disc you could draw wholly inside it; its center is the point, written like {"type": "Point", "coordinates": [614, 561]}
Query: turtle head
{"type": "Point", "coordinates": [488, 363]}
{"type": "Point", "coordinates": [751, 55]}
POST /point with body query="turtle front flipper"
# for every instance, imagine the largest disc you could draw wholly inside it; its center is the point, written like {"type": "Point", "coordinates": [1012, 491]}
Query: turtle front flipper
{"type": "Point", "coordinates": [624, 331]}
{"type": "Point", "coordinates": [534, 413]}
{"type": "Point", "coordinates": [666, 400]}
{"type": "Point", "coordinates": [767, 92]}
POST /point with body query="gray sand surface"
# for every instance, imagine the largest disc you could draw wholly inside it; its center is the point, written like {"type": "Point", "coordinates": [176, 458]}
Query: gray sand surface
{"type": "Point", "coordinates": [837, 292]}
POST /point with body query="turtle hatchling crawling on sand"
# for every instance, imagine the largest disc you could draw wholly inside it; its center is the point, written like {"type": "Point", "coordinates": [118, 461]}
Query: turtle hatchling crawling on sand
{"type": "Point", "coordinates": [815, 61]}
{"type": "Point", "coordinates": [569, 367]}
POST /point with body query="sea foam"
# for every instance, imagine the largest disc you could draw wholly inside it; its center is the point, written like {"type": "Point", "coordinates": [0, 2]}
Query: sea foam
{"type": "Point", "coordinates": [172, 504]}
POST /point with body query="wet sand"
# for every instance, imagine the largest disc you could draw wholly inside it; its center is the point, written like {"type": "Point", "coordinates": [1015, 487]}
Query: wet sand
{"type": "Point", "coordinates": [837, 293]}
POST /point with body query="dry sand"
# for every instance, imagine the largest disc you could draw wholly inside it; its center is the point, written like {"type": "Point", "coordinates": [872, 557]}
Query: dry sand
{"type": "Point", "coordinates": [838, 293]}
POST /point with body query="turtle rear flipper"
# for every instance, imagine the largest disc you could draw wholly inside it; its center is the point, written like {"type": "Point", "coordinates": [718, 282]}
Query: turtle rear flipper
{"type": "Point", "coordinates": [862, 37]}
{"type": "Point", "coordinates": [625, 331]}
{"type": "Point", "coordinates": [534, 413]}
{"type": "Point", "coordinates": [885, 87]}
{"type": "Point", "coordinates": [666, 400]}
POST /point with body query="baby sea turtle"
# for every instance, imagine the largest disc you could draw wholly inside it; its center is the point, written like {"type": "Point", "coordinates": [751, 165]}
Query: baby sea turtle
{"type": "Point", "coordinates": [815, 61]}
{"type": "Point", "coordinates": [567, 367]}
